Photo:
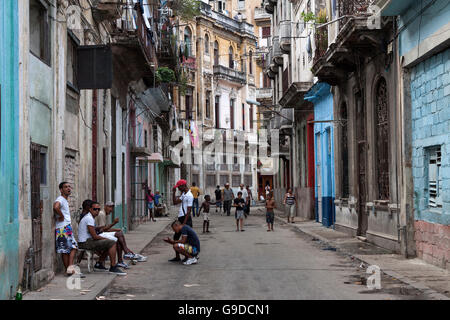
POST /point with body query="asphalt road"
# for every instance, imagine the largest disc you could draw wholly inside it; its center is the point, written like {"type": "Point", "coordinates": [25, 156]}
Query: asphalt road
{"type": "Point", "coordinates": [254, 264]}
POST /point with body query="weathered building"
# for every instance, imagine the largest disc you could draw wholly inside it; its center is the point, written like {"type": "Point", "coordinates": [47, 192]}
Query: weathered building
{"type": "Point", "coordinates": [9, 148]}
{"type": "Point", "coordinates": [424, 96]}
{"type": "Point", "coordinates": [362, 68]}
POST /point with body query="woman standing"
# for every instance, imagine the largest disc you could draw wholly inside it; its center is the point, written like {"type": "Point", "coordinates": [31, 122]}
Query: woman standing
{"type": "Point", "coordinates": [290, 202]}
{"type": "Point", "coordinates": [150, 202]}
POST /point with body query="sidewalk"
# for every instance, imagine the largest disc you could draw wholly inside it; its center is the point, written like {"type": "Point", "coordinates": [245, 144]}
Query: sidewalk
{"type": "Point", "coordinates": [96, 283]}
{"type": "Point", "coordinates": [429, 279]}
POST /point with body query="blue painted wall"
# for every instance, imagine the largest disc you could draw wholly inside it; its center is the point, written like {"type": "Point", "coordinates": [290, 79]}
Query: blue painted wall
{"type": "Point", "coordinates": [422, 26]}
{"type": "Point", "coordinates": [320, 94]}
{"type": "Point", "coordinates": [430, 96]}
{"type": "Point", "coordinates": [9, 164]}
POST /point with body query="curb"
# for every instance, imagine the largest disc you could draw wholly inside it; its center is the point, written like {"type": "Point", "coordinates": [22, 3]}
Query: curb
{"type": "Point", "coordinates": [416, 285]}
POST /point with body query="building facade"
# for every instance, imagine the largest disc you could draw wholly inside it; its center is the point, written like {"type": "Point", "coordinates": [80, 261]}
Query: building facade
{"type": "Point", "coordinates": [424, 54]}
{"type": "Point", "coordinates": [9, 147]}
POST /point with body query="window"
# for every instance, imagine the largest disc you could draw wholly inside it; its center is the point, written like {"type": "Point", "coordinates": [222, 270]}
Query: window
{"type": "Point", "coordinates": [187, 42]}
{"type": "Point", "coordinates": [208, 104]}
{"type": "Point", "coordinates": [236, 181]}
{"type": "Point", "coordinates": [266, 32]}
{"type": "Point", "coordinates": [206, 44]}
{"type": "Point", "coordinates": [230, 58]}
{"type": "Point", "coordinates": [210, 180]}
{"type": "Point", "coordinates": [434, 177]}
{"type": "Point", "coordinates": [145, 138]}
{"type": "Point", "coordinates": [243, 117]}
{"type": "Point", "coordinates": [248, 180]}
{"type": "Point", "coordinates": [344, 152]}
{"type": "Point", "coordinates": [231, 113]}
{"type": "Point", "coordinates": [251, 116]}
{"type": "Point", "coordinates": [188, 104]}
{"type": "Point", "coordinates": [217, 111]}
{"type": "Point", "coordinates": [40, 31]}
{"type": "Point", "coordinates": [382, 140]}
{"type": "Point", "coordinates": [43, 166]}
{"type": "Point", "coordinates": [266, 81]}
{"type": "Point", "coordinates": [216, 53]}
{"type": "Point", "coordinates": [72, 62]}
{"type": "Point", "coordinates": [250, 62]}
{"type": "Point", "coordinates": [223, 179]}
{"type": "Point", "coordinates": [221, 6]}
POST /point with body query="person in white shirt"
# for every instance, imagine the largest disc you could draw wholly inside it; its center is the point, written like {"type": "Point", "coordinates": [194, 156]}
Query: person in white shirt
{"type": "Point", "coordinates": [88, 239]}
{"type": "Point", "coordinates": [184, 214]}
{"type": "Point", "coordinates": [65, 242]}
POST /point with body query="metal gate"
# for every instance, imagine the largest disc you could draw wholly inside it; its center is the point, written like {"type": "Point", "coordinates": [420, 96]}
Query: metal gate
{"type": "Point", "coordinates": [36, 205]}
{"type": "Point", "coordinates": [139, 183]}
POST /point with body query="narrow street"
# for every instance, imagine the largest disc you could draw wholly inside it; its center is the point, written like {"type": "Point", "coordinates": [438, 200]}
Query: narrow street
{"type": "Point", "coordinates": [254, 264]}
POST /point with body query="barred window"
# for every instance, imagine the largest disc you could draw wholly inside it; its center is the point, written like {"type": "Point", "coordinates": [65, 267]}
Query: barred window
{"type": "Point", "coordinates": [210, 180]}
{"type": "Point", "coordinates": [434, 182]}
{"type": "Point", "coordinates": [236, 180]}
{"type": "Point", "coordinates": [223, 179]}
{"type": "Point", "coordinates": [382, 139]}
{"type": "Point", "coordinates": [344, 152]}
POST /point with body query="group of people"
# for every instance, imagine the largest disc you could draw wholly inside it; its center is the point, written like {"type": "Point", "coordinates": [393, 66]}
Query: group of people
{"type": "Point", "coordinates": [290, 204]}
{"type": "Point", "coordinates": [94, 234]}
{"type": "Point", "coordinates": [153, 201]}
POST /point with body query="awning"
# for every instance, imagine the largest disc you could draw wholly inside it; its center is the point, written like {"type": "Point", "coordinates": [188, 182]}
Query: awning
{"type": "Point", "coordinates": [253, 102]}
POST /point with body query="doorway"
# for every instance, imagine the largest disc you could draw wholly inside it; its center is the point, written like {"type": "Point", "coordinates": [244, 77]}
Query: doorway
{"type": "Point", "coordinates": [361, 166]}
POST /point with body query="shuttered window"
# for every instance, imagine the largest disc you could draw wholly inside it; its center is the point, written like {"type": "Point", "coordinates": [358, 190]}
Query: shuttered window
{"type": "Point", "coordinates": [434, 178]}
{"type": "Point", "coordinates": [266, 32]}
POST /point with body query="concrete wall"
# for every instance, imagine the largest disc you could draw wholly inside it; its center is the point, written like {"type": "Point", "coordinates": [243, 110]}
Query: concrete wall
{"type": "Point", "coordinates": [430, 95]}
{"type": "Point", "coordinates": [9, 164]}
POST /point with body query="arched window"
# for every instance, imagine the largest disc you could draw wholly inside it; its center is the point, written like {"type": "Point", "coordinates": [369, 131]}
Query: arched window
{"type": "Point", "coordinates": [250, 62]}
{"type": "Point", "coordinates": [206, 44]}
{"type": "Point", "coordinates": [230, 58]}
{"type": "Point", "coordinates": [344, 151]}
{"type": "Point", "coordinates": [216, 53]}
{"type": "Point", "coordinates": [187, 42]}
{"type": "Point", "coordinates": [382, 139]}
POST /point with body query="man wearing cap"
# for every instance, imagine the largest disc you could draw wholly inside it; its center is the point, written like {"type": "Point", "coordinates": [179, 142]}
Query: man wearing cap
{"type": "Point", "coordinates": [184, 214]}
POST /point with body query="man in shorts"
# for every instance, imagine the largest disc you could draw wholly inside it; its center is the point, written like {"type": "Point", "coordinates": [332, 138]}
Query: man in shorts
{"type": "Point", "coordinates": [270, 215]}
{"type": "Point", "coordinates": [88, 239]}
{"type": "Point", "coordinates": [205, 207]}
{"type": "Point", "coordinates": [188, 245]}
{"type": "Point", "coordinates": [184, 214]}
{"type": "Point", "coordinates": [65, 241]}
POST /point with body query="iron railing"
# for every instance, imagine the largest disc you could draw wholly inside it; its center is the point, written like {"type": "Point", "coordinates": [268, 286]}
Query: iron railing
{"type": "Point", "coordinates": [352, 8]}
{"type": "Point", "coordinates": [321, 42]}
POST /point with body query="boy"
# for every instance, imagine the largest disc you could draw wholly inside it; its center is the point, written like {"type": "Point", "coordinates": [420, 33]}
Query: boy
{"type": "Point", "coordinates": [239, 203]}
{"type": "Point", "coordinates": [270, 205]}
{"type": "Point", "coordinates": [218, 193]}
{"type": "Point", "coordinates": [205, 207]}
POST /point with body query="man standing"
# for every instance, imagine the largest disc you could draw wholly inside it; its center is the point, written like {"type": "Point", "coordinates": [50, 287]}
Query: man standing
{"type": "Point", "coordinates": [195, 192]}
{"type": "Point", "coordinates": [65, 242]}
{"type": "Point", "coordinates": [227, 196]}
{"type": "Point", "coordinates": [218, 193]}
{"type": "Point", "coordinates": [184, 214]}
{"type": "Point", "coordinates": [250, 198]}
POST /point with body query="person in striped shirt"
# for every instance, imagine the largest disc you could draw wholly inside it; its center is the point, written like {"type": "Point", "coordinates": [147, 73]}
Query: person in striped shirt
{"type": "Point", "coordinates": [290, 202]}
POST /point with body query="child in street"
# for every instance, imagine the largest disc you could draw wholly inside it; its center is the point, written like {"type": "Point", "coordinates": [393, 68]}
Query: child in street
{"type": "Point", "coordinates": [205, 207]}
{"type": "Point", "coordinates": [270, 205]}
{"type": "Point", "coordinates": [239, 203]}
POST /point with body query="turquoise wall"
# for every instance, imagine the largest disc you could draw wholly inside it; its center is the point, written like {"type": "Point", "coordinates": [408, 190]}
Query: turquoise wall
{"type": "Point", "coordinates": [9, 164]}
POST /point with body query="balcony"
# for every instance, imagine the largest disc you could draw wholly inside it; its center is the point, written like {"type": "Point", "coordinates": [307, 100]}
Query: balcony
{"type": "Point", "coordinates": [293, 96]}
{"type": "Point", "coordinates": [264, 94]}
{"type": "Point", "coordinates": [261, 15]}
{"type": "Point", "coordinates": [226, 22]}
{"type": "Point", "coordinates": [286, 121]}
{"type": "Point", "coordinates": [269, 6]}
{"type": "Point", "coordinates": [277, 55]}
{"type": "Point", "coordinates": [106, 10]}
{"type": "Point", "coordinates": [134, 55]}
{"type": "Point", "coordinates": [285, 36]}
{"type": "Point", "coordinates": [236, 167]}
{"type": "Point", "coordinates": [138, 151]}
{"type": "Point", "coordinates": [333, 63]}
{"type": "Point", "coordinates": [228, 74]}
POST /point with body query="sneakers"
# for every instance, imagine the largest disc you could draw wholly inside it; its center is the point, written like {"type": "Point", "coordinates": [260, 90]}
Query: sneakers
{"type": "Point", "coordinates": [116, 270]}
{"type": "Point", "coordinates": [123, 265]}
{"type": "Point", "coordinates": [129, 256]}
{"type": "Point", "coordinates": [190, 261]}
{"type": "Point", "coordinates": [100, 267]}
{"type": "Point", "coordinates": [140, 258]}
{"type": "Point", "coordinates": [185, 259]}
